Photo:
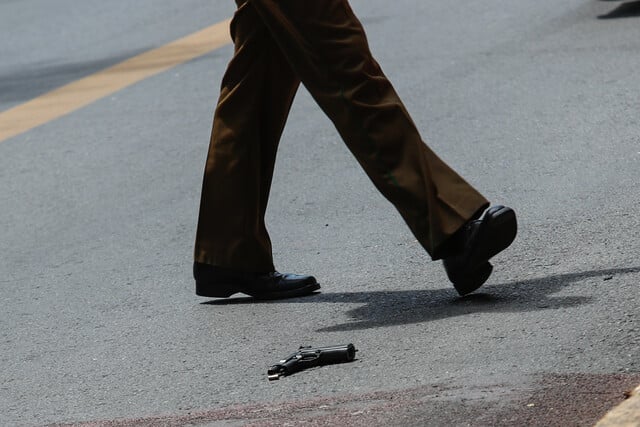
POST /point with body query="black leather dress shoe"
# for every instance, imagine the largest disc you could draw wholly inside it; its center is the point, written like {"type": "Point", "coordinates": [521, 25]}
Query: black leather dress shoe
{"type": "Point", "coordinates": [212, 281]}
{"type": "Point", "coordinates": [478, 241]}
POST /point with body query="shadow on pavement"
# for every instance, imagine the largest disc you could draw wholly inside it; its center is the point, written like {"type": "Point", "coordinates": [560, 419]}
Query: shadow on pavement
{"type": "Point", "coordinates": [32, 81]}
{"type": "Point", "coordinates": [389, 308]}
{"type": "Point", "coordinates": [407, 307]}
{"type": "Point", "coordinates": [625, 10]}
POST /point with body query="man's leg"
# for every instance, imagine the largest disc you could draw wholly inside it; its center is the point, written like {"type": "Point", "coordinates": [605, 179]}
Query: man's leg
{"type": "Point", "coordinates": [257, 91]}
{"type": "Point", "coordinates": [233, 249]}
{"type": "Point", "coordinates": [327, 48]}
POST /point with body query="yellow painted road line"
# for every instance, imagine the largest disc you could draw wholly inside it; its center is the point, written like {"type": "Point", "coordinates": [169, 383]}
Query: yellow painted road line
{"type": "Point", "coordinates": [80, 93]}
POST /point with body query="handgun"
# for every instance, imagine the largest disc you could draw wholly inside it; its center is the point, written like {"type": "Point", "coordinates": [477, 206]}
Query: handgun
{"type": "Point", "coordinates": [308, 357]}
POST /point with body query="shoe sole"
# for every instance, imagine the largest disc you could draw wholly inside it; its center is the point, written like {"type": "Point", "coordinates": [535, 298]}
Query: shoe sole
{"type": "Point", "coordinates": [300, 292]}
{"type": "Point", "coordinates": [472, 281]}
{"type": "Point", "coordinates": [225, 291]}
{"type": "Point", "coordinates": [499, 228]}
{"type": "Point", "coordinates": [215, 291]}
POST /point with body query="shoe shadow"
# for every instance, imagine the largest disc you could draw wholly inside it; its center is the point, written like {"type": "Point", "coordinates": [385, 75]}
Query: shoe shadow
{"type": "Point", "coordinates": [383, 309]}
{"type": "Point", "coordinates": [625, 10]}
{"type": "Point", "coordinates": [391, 308]}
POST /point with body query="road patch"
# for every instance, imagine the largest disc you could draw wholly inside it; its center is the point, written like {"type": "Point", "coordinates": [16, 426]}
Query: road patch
{"type": "Point", "coordinates": [80, 93]}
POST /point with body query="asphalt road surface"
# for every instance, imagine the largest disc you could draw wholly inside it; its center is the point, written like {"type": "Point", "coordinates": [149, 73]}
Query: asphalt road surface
{"type": "Point", "coordinates": [536, 103]}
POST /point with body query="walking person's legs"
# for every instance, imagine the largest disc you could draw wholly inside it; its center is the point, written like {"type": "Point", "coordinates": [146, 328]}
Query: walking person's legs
{"type": "Point", "coordinates": [327, 48]}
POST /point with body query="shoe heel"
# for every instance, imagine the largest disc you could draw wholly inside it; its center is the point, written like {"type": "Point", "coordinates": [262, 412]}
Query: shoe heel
{"type": "Point", "coordinates": [473, 281]}
{"type": "Point", "coordinates": [215, 291]}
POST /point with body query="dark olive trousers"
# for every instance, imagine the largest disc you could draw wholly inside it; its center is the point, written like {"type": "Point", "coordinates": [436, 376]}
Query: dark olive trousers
{"type": "Point", "coordinates": [321, 43]}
